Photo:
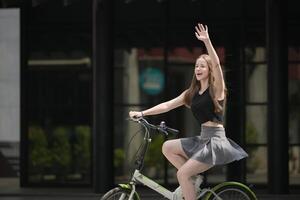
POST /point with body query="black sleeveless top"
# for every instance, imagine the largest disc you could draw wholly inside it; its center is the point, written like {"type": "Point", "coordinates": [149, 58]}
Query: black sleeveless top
{"type": "Point", "coordinates": [203, 108]}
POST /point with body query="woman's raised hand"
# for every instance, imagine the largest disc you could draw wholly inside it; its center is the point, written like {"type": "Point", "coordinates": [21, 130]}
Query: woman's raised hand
{"type": "Point", "coordinates": [201, 32]}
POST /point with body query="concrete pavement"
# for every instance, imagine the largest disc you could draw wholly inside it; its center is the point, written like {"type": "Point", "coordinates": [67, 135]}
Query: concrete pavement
{"type": "Point", "coordinates": [88, 194]}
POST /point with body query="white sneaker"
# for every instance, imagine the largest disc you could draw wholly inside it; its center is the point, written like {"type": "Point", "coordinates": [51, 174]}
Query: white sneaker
{"type": "Point", "coordinates": [177, 194]}
{"type": "Point", "coordinates": [197, 180]}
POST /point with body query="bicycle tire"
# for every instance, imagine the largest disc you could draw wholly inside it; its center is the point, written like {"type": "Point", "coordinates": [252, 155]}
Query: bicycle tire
{"type": "Point", "coordinates": [118, 193]}
{"type": "Point", "coordinates": [232, 191]}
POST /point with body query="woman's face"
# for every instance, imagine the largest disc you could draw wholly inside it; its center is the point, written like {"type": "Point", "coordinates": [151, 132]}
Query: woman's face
{"type": "Point", "coordinates": [201, 69]}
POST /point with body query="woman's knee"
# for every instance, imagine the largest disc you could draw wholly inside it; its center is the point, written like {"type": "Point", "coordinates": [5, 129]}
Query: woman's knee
{"type": "Point", "coordinates": [182, 174]}
{"type": "Point", "coordinates": [173, 148]}
{"type": "Point", "coordinates": [167, 147]}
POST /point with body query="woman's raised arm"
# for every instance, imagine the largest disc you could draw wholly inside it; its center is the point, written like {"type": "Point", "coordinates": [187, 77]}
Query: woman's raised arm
{"type": "Point", "coordinates": [202, 35]}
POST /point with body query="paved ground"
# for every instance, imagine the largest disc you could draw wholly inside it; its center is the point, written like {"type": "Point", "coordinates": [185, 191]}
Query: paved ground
{"type": "Point", "coordinates": [87, 194]}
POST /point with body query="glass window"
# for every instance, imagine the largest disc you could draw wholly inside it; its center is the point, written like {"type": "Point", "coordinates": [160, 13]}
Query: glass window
{"type": "Point", "coordinates": [294, 104]}
{"type": "Point", "coordinates": [58, 94]}
{"type": "Point", "coordinates": [294, 116]}
{"type": "Point", "coordinates": [256, 124]}
{"type": "Point", "coordinates": [139, 82]}
{"type": "Point", "coordinates": [256, 81]}
{"type": "Point", "coordinates": [257, 164]}
{"type": "Point", "coordinates": [294, 84]}
{"type": "Point", "coordinates": [294, 124]}
{"type": "Point", "coordinates": [59, 132]}
{"type": "Point", "coordinates": [294, 54]}
{"type": "Point", "coordinates": [294, 164]}
{"type": "Point", "coordinates": [140, 76]}
{"type": "Point", "coordinates": [59, 154]}
{"type": "Point", "coordinates": [255, 54]}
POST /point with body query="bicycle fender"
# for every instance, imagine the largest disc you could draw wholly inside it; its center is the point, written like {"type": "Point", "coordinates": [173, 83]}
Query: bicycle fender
{"type": "Point", "coordinates": [128, 187]}
{"type": "Point", "coordinates": [231, 183]}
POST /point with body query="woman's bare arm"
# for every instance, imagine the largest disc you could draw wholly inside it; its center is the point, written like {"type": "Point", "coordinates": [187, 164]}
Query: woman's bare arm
{"type": "Point", "coordinates": [202, 34]}
{"type": "Point", "coordinates": [161, 108]}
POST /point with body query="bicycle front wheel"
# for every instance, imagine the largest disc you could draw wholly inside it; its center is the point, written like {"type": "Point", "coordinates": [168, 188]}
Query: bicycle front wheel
{"type": "Point", "coordinates": [118, 193]}
{"type": "Point", "coordinates": [232, 192]}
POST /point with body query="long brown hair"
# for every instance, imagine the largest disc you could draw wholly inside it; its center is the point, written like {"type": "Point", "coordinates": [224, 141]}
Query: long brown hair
{"type": "Point", "coordinates": [195, 86]}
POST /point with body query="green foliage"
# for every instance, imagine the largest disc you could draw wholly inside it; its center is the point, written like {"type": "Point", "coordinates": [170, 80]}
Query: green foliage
{"type": "Point", "coordinates": [60, 152]}
{"type": "Point", "coordinates": [61, 149]}
{"type": "Point", "coordinates": [251, 134]}
{"type": "Point", "coordinates": [119, 159]}
{"type": "Point", "coordinates": [82, 146]}
{"type": "Point", "coordinates": [154, 155]}
{"type": "Point", "coordinates": [39, 154]}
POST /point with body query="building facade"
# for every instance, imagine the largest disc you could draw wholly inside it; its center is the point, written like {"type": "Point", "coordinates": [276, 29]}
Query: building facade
{"type": "Point", "coordinates": [85, 64]}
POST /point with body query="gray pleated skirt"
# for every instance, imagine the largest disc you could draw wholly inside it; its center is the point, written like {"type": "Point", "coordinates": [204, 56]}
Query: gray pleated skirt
{"type": "Point", "coordinates": [212, 147]}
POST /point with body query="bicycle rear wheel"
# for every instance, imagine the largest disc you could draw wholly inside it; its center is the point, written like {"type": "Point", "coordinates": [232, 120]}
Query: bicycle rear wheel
{"type": "Point", "coordinates": [233, 192]}
{"type": "Point", "coordinates": [118, 193]}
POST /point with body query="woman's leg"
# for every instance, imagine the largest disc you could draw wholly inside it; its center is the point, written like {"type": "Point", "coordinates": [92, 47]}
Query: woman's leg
{"type": "Point", "coordinates": [174, 153]}
{"type": "Point", "coordinates": [185, 172]}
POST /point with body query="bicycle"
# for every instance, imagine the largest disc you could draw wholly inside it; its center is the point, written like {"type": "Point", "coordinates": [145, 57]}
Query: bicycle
{"type": "Point", "coordinates": [127, 191]}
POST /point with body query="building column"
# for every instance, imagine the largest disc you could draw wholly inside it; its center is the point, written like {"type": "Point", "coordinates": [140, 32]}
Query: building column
{"type": "Point", "coordinates": [235, 108]}
{"type": "Point", "coordinates": [103, 168]}
{"type": "Point", "coordinates": [277, 60]}
{"type": "Point", "coordinates": [24, 51]}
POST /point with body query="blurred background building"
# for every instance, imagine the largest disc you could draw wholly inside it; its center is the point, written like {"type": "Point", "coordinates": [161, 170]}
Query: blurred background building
{"type": "Point", "coordinates": [70, 70]}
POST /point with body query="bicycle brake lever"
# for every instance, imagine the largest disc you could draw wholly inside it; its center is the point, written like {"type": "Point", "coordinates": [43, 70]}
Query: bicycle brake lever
{"type": "Point", "coordinates": [162, 124]}
{"type": "Point", "coordinates": [162, 127]}
{"type": "Point", "coordinates": [162, 130]}
{"type": "Point", "coordinates": [168, 129]}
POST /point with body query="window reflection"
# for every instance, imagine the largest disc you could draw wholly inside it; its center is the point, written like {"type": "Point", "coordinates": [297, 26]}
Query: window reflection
{"type": "Point", "coordinates": [257, 164]}
{"type": "Point", "coordinates": [134, 93]}
{"type": "Point", "coordinates": [294, 116]}
{"type": "Point", "coordinates": [255, 54]}
{"type": "Point", "coordinates": [59, 132]}
{"type": "Point", "coordinates": [256, 114]}
{"type": "Point", "coordinates": [256, 124]}
{"type": "Point", "coordinates": [294, 54]}
{"type": "Point", "coordinates": [59, 154]}
{"type": "Point", "coordinates": [294, 164]}
{"type": "Point", "coordinates": [256, 81]}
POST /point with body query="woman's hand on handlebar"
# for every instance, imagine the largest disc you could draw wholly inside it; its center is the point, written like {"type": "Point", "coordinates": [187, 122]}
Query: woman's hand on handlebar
{"type": "Point", "coordinates": [135, 114]}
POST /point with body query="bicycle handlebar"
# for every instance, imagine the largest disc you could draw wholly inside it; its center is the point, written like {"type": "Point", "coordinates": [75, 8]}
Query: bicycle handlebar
{"type": "Point", "coordinates": [162, 127]}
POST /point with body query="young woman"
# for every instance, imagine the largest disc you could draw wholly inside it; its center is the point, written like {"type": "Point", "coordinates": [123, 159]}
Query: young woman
{"type": "Point", "coordinates": [206, 98]}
